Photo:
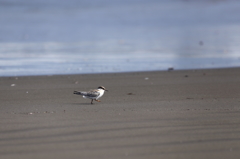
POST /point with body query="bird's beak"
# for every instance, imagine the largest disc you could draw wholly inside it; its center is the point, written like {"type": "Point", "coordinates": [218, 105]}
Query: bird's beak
{"type": "Point", "coordinates": [106, 90]}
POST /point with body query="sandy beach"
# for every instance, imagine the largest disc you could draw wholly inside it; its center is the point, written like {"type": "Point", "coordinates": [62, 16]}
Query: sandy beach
{"type": "Point", "coordinates": [167, 114]}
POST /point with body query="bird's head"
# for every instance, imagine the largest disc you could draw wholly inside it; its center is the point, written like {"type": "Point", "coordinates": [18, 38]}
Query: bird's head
{"type": "Point", "coordinates": [103, 88]}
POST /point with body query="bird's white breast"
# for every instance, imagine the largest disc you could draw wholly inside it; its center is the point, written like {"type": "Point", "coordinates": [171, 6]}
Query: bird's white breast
{"type": "Point", "coordinates": [101, 93]}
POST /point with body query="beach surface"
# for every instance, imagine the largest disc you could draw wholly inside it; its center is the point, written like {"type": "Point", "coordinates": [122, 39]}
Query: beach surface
{"type": "Point", "coordinates": [167, 114]}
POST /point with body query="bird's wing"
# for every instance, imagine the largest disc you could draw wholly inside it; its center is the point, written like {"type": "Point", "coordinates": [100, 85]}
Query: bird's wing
{"type": "Point", "coordinates": [92, 93]}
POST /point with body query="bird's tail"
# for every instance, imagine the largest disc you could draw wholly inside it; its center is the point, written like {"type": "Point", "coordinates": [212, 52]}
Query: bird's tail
{"type": "Point", "coordinates": [77, 92]}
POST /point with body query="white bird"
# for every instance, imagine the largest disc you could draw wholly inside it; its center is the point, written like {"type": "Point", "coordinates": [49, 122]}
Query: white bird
{"type": "Point", "coordinates": [92, 94]}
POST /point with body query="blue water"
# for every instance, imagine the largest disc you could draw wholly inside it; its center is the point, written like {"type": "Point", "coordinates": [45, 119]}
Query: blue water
{"type": "Point", "coordinates": [47, 37]}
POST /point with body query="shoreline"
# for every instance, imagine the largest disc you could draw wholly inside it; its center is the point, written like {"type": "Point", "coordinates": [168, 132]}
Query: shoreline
{"type": "Point", "coordinates": [170, 69]}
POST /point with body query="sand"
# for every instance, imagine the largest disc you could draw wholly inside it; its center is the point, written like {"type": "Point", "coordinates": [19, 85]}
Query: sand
{"type": "Point", "coordinates": [177, 114]}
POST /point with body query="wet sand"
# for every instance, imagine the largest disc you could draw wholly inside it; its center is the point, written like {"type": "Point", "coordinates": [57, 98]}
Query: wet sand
{"type": "Point", "coordinates": [176, 114]}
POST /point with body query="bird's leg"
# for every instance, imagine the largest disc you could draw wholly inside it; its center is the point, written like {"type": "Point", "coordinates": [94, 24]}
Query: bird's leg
{"type": "Point", "coordinates": [92, 101]}
{"type": "Point", "coordinates": [97, 100]}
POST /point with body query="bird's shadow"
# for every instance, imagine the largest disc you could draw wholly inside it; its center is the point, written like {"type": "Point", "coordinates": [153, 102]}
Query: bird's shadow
{"type": "Point", "coordinates": [81, 104]}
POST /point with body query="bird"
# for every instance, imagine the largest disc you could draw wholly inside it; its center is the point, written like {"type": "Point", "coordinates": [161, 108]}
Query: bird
{"type": "Point", "coordinates": [94, 94]}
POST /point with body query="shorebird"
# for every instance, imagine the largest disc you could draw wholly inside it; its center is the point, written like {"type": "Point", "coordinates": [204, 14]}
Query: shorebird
{"type": "Point", "coordinates": [94, 94]}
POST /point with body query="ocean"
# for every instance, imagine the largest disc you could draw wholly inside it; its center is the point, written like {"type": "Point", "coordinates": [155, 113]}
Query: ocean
{"type": "Point", "coordinates": [51, 37]}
